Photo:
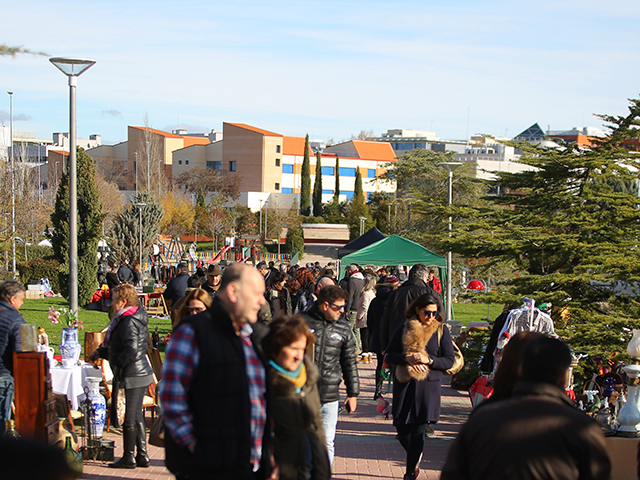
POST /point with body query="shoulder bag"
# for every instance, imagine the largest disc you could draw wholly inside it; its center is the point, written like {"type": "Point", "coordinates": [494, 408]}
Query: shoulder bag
{"type": "Point", "coordinates": [458, 361]}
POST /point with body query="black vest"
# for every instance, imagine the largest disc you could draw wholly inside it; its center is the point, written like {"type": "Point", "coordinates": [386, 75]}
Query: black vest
{"type": "Point", "coordinates": [219, 402]}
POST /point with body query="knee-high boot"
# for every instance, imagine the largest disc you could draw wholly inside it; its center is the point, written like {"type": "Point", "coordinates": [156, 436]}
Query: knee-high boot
{"type": "Point", "coordinates": [142, 459]}
{"type": "Point", "coordinates": [128, 460]}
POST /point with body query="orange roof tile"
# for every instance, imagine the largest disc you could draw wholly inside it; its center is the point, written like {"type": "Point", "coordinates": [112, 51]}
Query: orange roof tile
{"type": "Point", "coordinates": [158, 132]}
{"type": "Point", "coordinates": [294, 146]}
{"type": "Point", "coordinates": [189, 141]}
{"type": "Point", "coordinates": [374, 150]}
{"type": "Point", "coordinates": [254, 129]}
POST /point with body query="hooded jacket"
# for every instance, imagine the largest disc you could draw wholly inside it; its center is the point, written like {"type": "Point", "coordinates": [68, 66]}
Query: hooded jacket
{"type": "Point", "coordinates": [334, 355]}
{"type": "Point", "coordinates": [354, 287]}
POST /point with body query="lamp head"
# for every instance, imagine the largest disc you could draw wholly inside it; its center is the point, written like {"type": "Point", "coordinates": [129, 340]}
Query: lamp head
{"type": "Point", "coordinates": [72, 67]}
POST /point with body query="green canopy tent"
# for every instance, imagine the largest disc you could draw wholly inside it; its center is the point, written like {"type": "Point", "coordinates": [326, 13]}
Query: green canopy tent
{"type": "Point", "coordinates": [396, 250]}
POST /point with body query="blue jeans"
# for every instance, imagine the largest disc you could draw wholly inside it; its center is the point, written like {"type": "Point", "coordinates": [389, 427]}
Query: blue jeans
{"type": "Point", "coordinates": [329, 423]}
{"type": "Point", "coordinates": [6, 397]}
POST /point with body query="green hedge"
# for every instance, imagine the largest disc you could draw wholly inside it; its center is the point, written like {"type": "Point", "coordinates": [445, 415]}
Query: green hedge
{"type": "Point", "coordinates": [32, 271]}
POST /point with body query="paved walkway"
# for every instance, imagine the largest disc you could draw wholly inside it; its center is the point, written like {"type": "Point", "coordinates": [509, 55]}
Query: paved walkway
{"type": "Point", "coordinates": [366, 448]}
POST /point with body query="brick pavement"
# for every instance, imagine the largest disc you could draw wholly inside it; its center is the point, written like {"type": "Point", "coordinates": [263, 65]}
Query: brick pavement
{"type": "Point", "coordinates": [366, 448]}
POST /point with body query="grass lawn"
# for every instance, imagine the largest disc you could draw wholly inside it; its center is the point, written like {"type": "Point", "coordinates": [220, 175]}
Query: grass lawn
{"type": "Point", "coordinates": [36, 312]}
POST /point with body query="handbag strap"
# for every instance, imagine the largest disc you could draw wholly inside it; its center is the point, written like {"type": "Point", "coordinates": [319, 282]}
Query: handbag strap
{"type": "Point", "coordinates": [440, 327]}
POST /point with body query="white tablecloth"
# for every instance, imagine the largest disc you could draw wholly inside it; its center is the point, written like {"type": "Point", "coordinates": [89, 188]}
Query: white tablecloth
{"type": "Point", "coordinates": [71, 381]}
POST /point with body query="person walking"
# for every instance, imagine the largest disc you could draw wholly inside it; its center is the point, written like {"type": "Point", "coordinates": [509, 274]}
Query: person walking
{"type": "Point", "coordinates": [125, 346]}
{"type": "Point", "coordinates": [353, 283]}
{"type": "Point", "coordinates": [335, 357]}
{"type": "Point", "coordinates": [421, 355]}
{"type": "Point", "coordinates": [366, 295]}
{"type": "Point", "coordinates": [177, 287]}
{"type": "Point", "coordinates": [299, 442]}
{"type": "Point", "coordinates": [11, 299]}
{"type": "Point", "coordinates": [214, 388]}
{"type": "Point", "coordinates": [124, 272]}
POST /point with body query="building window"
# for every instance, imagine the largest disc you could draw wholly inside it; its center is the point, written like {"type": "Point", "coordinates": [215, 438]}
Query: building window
{"type": "Point", "coordinates": [287, 168]}
{"type": "Point", "coordinates": [186, 162]}
{"type": "Point", "coordinates": [214, 165]}
{"type": "Point", "coordinates": [232, 166]}
{"type": "Point", "coordinates": [327, 171]}
{"type": "Point", "coordinates": [277, 186]}
{"type": "Point", "coordinates": [347, 172]}
{"type": "Point", "coordinates": [327, 192]}
{"type": "Point", "coordinates": [287, 190]}
{"type": "Point", "coordinates": [277, 148]}
{"type": "Point", "coordinates": [277, 162]}
{"type": "Point", "coordinates": [179, 162]}
{"type": "Point", "coordinates": [371, 173]}
{"type": "Point", "coordinates": [348, 193]}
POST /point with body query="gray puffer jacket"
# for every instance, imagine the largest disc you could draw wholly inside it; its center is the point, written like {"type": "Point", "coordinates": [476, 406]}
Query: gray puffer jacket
{"type": "Point", "coordinates": [334, 355]}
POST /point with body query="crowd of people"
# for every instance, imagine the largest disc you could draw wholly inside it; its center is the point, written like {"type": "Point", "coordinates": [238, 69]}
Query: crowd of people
{"type": "Point", "coordinates": [252, 375]}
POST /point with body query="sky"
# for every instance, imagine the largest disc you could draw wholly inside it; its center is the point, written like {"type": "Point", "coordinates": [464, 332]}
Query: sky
{"type": "Point", "coordinates": [327, 68]}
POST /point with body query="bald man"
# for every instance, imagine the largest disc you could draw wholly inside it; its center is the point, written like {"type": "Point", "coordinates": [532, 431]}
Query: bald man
{"type": "Point", "coordinates": [214, 387]}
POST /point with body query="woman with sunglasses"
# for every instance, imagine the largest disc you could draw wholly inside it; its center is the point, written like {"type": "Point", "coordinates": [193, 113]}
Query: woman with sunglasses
{"type": "Point", "coordinates": [416, 399]}
{"type": "Point", "coordinates": [196, 301]}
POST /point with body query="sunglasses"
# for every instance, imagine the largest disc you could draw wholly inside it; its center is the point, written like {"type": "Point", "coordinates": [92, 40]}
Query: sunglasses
{"type": "Point", "coordinates": [337, 307]}
{"type": "Point", "coordinates": [196, 309]}
{"type": "Point", "coordinates": [430, 313]}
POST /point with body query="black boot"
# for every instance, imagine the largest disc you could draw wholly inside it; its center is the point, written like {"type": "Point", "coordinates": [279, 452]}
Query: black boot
{"type": "Point", "coordinates": [129, 434]}
{"type": "Point", "coordinates": [142, 459]}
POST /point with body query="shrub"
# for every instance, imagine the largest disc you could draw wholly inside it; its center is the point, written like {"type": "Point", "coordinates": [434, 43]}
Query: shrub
{"type": "Point", "coordinates": [32, 271]}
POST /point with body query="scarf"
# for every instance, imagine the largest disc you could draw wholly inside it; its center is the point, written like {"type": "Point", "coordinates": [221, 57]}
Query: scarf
{"type": "Point", "coordinates": [298, 377]}
{"type": "Point", "coordinates": [114, 321]}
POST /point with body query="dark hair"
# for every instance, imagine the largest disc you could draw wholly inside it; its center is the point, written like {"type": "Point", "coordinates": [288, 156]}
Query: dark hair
{"type": "Point", "coordinates": [183, 267]}
{"type": "Point", "coordinates": [419, 270]}
{"type": "Point", "coordinates": [509, 370]}
{"type": "Point", "coordinates": [545, 359]}
{"type": "Point", "coordinates": [194, 281]}
{"type": "Point", "coordinates": [293, 285]}
{"type": "Point", "coordinates": [9, 289]}
{"type": "Point", "coordinates": [284, 331]}
{"type": "Point", "coordinates": [279, 277]}
{"type": "Point", "coordinates": [261, 265]}
{"type": "Point", "coordinates": [331, 294]}
{"type": "Point", "coordinates": [421, 302]}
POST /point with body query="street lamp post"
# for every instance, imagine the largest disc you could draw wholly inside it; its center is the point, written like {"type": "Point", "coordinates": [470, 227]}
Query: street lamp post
{"type": "Point", "coordinates": [449, 167]}
{"type": "Point", "coordinates": [140, 205]}
{"type": "Point", "coordinates": [13, 190]}
{"type": "Point", "coordinates": [73, 68]}
{"type": "Point", "coordinates": [362, 219]}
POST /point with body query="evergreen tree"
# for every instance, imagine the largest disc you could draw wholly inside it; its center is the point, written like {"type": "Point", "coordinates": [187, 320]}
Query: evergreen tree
{"type": "Point", "coordinates": [200, 201]}
{"type": "Point", "coordinates": [305, 181]}
{"type": "Point", "coordinates": [571, 236]}
{"type": "Point", "coordinates": [336, 192]}
{"type": "Point", "coordinates": [358, 208]}
{"type": "Point", "coordinates": [317, 189]}
{"type": "Point", "coordinates": [295, 238]}
{"type": "Point", "coordinates": [125, 240]}
{"type": "Point", "coordinates": [90, 219]}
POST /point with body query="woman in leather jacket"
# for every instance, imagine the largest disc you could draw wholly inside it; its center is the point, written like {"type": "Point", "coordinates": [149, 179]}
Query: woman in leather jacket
{"type": "Point", "coordinates": [125, 346]}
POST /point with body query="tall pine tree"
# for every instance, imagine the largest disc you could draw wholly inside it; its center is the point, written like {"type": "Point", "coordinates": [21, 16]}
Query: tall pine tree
{"type": "Point", "coordinates": [336, 192]}
{"type": "Point", "coordinates": [571, 235]}
{"type": "Point", "coordinates": [126, 227]}
{"type": "Point", "coordinates": [305, 181]}
{"type": "Point", "coordinates": [317, 189]}
{"type": "Point", "coordinates": [358, 208]}
{"type": "Point", "coordinates": [90, 219]}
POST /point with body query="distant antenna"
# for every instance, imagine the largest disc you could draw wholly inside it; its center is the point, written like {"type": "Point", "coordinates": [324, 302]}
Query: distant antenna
{"type": "Point", "coordinates": [548, 129]}
{"type": "Point", "coordinates": [468, 115]}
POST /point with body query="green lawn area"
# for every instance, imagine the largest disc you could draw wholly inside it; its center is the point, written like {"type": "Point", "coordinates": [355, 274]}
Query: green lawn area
{"type": "Point", "coordinates": [469, 312]}
{"type": "Point", "coordinates": [36, 312]}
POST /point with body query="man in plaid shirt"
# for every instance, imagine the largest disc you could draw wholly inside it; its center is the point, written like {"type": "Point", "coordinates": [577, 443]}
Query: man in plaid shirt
{"type": "Point", "coordinates": [214, 388]}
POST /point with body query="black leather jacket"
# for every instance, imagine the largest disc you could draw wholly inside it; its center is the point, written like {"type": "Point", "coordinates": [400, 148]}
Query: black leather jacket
{"type": "Point", "coordinates": [334, 355]}
{"type": "Point", "coordinates": [127, 348]}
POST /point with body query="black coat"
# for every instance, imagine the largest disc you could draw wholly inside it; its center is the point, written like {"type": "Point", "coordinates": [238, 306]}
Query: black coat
{"type": "Point", "coordinates": [396, 307]}
{"type": "Point", "coordinates": [374, 316]}
{"type": "Point", "coordinates": [419, 402]}
{"type": "Point", "coordinates": [176, 288]}
{"type": "Point", "coordinates": [537, 433]}
{"type": "Point", "coordinates": [125, 274]}
{"type": "Point", "coordinates": [127, 350]}
{"type": "Point", "coordinates": [335, 356]}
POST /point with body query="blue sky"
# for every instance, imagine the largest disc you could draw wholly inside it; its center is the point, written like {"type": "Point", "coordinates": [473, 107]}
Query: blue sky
{"type": "Point", "coordinates": [327, 68]}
